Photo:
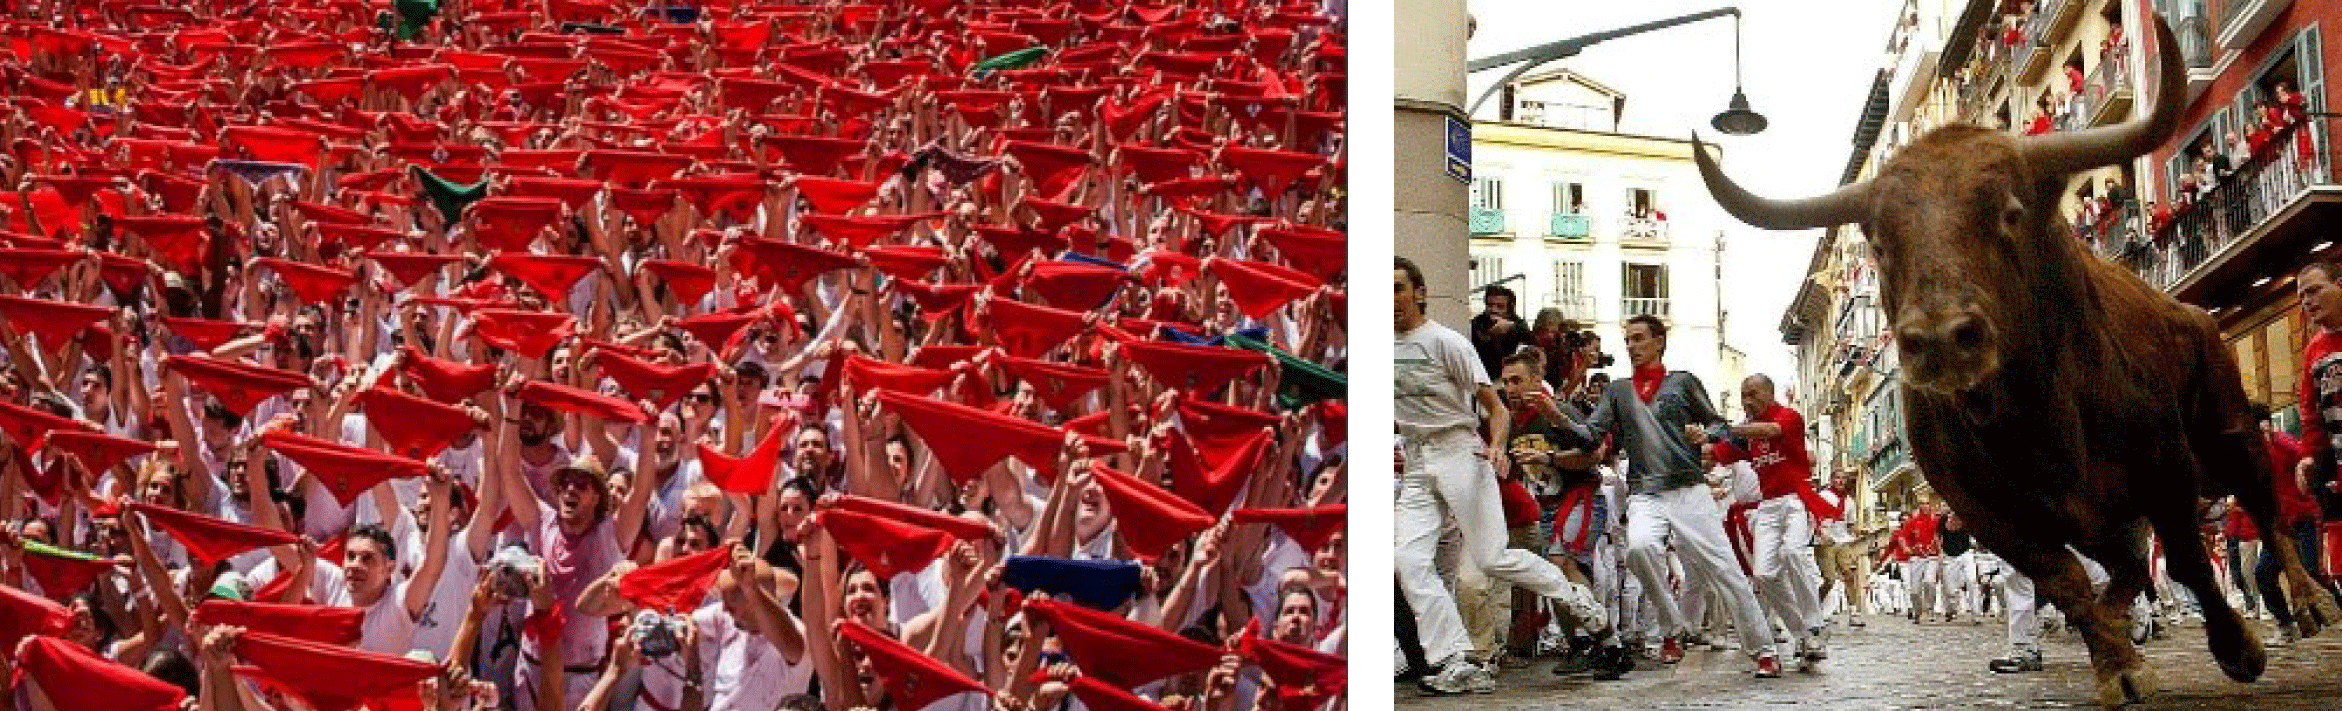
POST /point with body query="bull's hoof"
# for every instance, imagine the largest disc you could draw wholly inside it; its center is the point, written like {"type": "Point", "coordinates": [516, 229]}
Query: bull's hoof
{"type": "Point", "coordinates": [2314, 610]}
{"type": "Point", "coordinates": [2245, 663]}
{"type": "Point", "coordinates": [2125, 688]}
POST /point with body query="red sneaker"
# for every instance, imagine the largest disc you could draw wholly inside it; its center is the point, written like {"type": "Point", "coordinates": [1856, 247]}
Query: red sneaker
{"type": "Point", "coordinates": [1671, 650]}
{"type": "Point", "coordinates": [1769, 666]}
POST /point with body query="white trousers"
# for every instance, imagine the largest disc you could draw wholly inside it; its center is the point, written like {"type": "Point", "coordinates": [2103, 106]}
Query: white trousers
{"type": "Point", "coordinates": [1959, 583]}
{"type": "Point", "coordinates": [2017, 592]}
{"type": "Point", "coordinates": [1786, 575]}
{"type": "Point", "coordinates": [1691, 520]}
{"type": "Point", "coordinates": [1920, 575]}
{"type": "Point", "coordinates": [1445, 480]}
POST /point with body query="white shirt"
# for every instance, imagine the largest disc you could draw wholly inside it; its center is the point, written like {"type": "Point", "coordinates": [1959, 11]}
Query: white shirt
{"type": "Point", "coordinates": [1437, 374]}
{"type": "Point", "coordinates": [388, 629]}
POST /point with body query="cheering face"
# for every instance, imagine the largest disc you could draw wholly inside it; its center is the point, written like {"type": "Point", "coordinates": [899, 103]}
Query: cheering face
{"type": "Point", "coordinates": [1332, 558]}
{"type": "Point", "coordinates": [812, 455]}
{"type": "Point", "coordinates": [93, 393]}
{"type": "Point", "coordinates": [670, 433]}
{"type": "Point", "coordinates": [793, 510]}
{"type": "Point", "coordinates": [161, 488]}
{"type": "Point", "coordinates": [561, 365]}
{"type": "Point", "coordinates": [865, 599]}
{"type": "Point", "coordinates": [1297, 618]}
{"type": "Point", "coordinates": [537, 425]}
{"type": "Point", "coordinates": [84, 629]}
{"type": "Point", "coordinates": [366, 570]}
{"type": "Point", "coordinates": [898, 459]}
{"type": "Point", "coordinates": [578, 501]}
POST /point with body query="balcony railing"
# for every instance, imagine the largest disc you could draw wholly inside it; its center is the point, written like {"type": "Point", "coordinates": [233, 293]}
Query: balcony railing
{"type": "Point", "coordinates": [1643, 229]}
{"type": "Point", "coordinates": [1575, 307]}
{"type": "Point", "coordinates": [2112, 232]}
{"type": "Point", "coordinates": [1569, 226]}
{"type": "Point", "coordinates": [2033, 42]}
{"type": "Point", "coordinates": [1630, 308]}
{"type": "Point", "coordinates": [2195, 40]}
{"type": "Point", "coordinates": [1487, 221]}
{"type": "Point", "coordinates": [2108, 88]}
{"type": "Point", "coordinates": [1985, 81]}
{"type": "Point", "coordinates": [2287, 165]}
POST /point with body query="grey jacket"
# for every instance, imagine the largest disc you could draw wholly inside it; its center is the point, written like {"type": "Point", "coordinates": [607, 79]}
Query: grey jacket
{"type": "Point", "coordinates": [1652, 435]}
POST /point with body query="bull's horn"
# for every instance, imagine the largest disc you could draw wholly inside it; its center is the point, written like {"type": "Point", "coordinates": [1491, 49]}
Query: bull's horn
{"type": "Point", "coordinates": [2063, 153]}
{"type": "Point", "coordinates": [1849, 204]}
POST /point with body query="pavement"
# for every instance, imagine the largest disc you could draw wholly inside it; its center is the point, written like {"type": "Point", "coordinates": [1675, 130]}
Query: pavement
{"type": "Point", "coordinates": [1893, 663]}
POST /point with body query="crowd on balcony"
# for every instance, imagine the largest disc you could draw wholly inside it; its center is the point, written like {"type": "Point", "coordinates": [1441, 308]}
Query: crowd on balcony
{"type": "Point", "coordinates": [2271, 136]}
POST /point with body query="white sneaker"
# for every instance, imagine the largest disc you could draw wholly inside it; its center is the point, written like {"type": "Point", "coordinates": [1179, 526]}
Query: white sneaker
{"type": "Point", "coordinates": [1461, 676]}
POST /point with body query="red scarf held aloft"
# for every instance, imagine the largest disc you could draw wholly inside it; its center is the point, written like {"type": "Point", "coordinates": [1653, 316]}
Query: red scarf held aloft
{"type": "Point", "coordinates": [1194, 368]}
{"type": "Point", "coordinates": [237, 386]}
{"type": "Point", "coordinates": [912, 680]}
{"type": "Point", "coordinates": [1120, 651]}
{"type": "Point", "coordinates": [550, 274]}
{"type": "Point", "coordinates": [1214, 486]}
{"type": "Point", "coordinates": [75, 678]}
{"type": "Point", "coordinates": [332, 677]}
{"type": "Point", "coordinates": [582, 402]}
{"type": "Point", "coordinates": [1260, 287]}
{"type": "Point", "coordinates": [1153, 520]}
{"type": "Point", "coordinates": [415, 427]}
{"type": "Point", "coordinates": [209, 540]}
{"type": "Point", "coordinates": [529, 333]}
{"type": "Point", "coordinates": [446, 381]}
{"type": "Point", "coordinates": [54, 322]}
{"type": "Point", "coordinates": [316, 623]}
{"type": "Point", "coordinates": [888, 547]}
{"type": "Point", "coordinates": [967, 440]}
{"type": "Point", "coordinates": [676, 585]}
{"type": "Point", "coordinates": [1313, 528]}
{"type": "Point", "coordinates": [690, 282]}
{"type": "Point", "coordinates": [662, 385]}
{"type": "Point", "coordinates": [1028, 331]}
{"type": "Point", "coordinates": [312, 283]}
{"type": "Point", "coordinates": [1060, 385]}
{"type": "Point", "coordinates": [750, 473]}
{"type": "Point", "coordinates": [344, 471]}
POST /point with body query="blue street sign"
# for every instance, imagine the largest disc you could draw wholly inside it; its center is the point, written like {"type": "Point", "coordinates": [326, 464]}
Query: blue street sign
{"type": "Point", "coordinates": [1459, 150]}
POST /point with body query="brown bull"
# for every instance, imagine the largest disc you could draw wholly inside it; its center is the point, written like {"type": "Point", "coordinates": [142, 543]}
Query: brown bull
{"type": "Point", "coordinates": [2054, 398]}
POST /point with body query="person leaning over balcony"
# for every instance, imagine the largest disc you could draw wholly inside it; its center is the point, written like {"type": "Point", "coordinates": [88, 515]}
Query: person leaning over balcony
{"type": "Point", "coordinates": [2294, 110]}
{"type": "Point", "coordinates": [2264, 118]}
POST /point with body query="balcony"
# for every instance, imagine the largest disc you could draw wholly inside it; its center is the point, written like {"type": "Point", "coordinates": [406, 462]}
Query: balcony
{"type": "Point", "coordinates": [2032, 50]}
{"type": "Point", "coordinates": [2106, 93]}
{"type": "Point", "coordinates": [1985, 82]}
{"type": "Point", "coordinates": [1632, 307]}
{"type": "Point", "coordinates": [2111, 234]}
{"type": "Point", "coordinates": [2195, 46]}
{"type": "Point", "coordinates": [1569, 226]}
{"type": "Point", "coordinates": [2239, 21]}
{"type": "Point", "coordinates": [1487, 221]}
{"type": "Point", "coordinates": [2268, 212]}
{"type": "Point", "coordinates": [1643, 232]}
{"type": "Point", "coordinates": [1575, 307]}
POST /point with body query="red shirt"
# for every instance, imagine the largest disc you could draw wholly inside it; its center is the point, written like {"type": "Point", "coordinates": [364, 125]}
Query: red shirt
{"type": "Point", "coordinates": [2293, 504]}
{"type": "Point", "coordinates": [1924, 534]}
{"type": "Point", "coordinates": [2320, 393]}
{"type": "Point", "coordinates": [1782, 464]}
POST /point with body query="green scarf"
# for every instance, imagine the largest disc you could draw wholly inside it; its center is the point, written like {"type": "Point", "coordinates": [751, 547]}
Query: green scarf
{"type": "Point", "coordinates": [451, 198]}
{"type": "Point", "coordinates": [413, 15]}
{"type": "Point", "coordinates": [1014, 60]}
{"type": "Point", "coordinates": [1299, 382]}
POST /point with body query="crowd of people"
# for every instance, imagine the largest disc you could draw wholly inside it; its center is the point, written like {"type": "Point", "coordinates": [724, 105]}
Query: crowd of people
{"type": "Point", "coordinates": [1549, 513]}
{"type": "Point", "coordinates": [1545, 509]}
{"type": "Point", "coordinates": [485, 354]}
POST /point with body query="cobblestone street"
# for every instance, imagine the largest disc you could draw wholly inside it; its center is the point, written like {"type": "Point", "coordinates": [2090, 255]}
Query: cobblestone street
{"type": "Point", "coordinates": [1894, 664]}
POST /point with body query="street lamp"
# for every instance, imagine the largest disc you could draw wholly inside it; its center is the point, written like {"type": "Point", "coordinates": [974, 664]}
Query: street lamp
{"type": "Point", "coordinates": [1737, 119]}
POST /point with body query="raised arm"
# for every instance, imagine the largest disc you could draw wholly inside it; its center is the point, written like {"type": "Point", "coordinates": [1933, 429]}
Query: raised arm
{"type": "Point", "coordinates": [426, 579]}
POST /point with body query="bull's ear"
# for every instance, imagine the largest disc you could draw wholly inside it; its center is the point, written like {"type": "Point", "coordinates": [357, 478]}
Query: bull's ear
{"type": "Point", "coordinates": [1848, 204]}
{"type": "Point", "coordinates": [2059, 154]}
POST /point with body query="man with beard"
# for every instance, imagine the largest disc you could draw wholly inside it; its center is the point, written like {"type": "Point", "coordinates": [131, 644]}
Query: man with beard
{"type": "Point", "coordinates": [1650, 416]}
{"type": "Point", "coordinates": [578, 538]}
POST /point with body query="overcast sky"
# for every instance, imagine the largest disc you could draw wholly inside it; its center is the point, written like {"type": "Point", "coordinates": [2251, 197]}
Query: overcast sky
{"type": "Point", "coordinates": [1807, 66]}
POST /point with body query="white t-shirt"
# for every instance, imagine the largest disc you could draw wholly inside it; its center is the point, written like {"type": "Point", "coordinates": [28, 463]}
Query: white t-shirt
{"type": "Point", "coordinates": [1437, 374]}
{"type": "Point", "coordinates": [387, 628]}
{"type": "Point", "coordinates": [751, 672]}
{"type": "Point", "coordinates": [435, 629]}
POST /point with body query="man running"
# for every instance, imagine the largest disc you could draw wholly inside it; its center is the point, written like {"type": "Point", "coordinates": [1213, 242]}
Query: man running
{"type": "Point", "coordinates": [1781, 524]}
{"type": "Point", "coordinates": [1450, 475]}
{"type": "Point", "coordinates": [1649, 416]}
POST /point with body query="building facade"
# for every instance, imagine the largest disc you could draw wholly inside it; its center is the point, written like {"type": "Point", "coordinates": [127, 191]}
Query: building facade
{"type": "Point", "coordinates": [1570, 214]}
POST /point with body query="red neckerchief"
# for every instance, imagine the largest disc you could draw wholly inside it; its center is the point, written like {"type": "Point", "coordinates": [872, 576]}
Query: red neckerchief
{"type": "Point", "coordinates": [1647, 380]}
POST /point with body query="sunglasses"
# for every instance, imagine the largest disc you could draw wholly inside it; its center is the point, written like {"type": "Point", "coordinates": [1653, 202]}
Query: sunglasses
{"type": "Point", "coordinates": [703, 398]}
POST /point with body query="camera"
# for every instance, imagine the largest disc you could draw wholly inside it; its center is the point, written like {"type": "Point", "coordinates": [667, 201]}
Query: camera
{"type": "Point", "coordinates": [511, 568]}
{"type": "Point", "coordinates": [657, 635]}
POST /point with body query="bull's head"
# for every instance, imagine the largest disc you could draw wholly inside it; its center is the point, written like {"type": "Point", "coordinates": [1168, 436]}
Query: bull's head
{"type": "Point", "coordinates": [1962, 223]}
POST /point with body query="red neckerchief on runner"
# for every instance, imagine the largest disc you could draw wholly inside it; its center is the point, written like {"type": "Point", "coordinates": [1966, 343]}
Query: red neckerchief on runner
{"type": "Point", "coordinates": [1647, 380]}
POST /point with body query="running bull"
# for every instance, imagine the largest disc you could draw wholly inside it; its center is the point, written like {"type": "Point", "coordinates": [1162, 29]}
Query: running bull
{"type": "Point", "coordinates": [2053, 397]}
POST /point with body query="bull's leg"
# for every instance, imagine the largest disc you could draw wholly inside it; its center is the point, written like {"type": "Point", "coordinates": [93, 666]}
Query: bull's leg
{"type": "Point", "coordinates": [2122, 674]}
{"type": "Point", "coordinates": [2058, 577]}
{"type": "Point", "coordinates": [2238, 652]}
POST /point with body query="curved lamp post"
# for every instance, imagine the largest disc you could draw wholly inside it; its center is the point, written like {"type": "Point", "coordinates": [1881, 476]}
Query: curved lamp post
{"type": "Point", "coordinates": [1736, 120]}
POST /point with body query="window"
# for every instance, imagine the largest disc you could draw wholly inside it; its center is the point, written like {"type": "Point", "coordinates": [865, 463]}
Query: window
{"type": "Point", "coordinates": [1645, 290]}
{"type": "Point", "coordinates": [1569, 198]}
{"type": "Point", "coordinates": [1486, 269]}
{"type": "Point", "coordinates": [1487, 194]}
{"type": "Point", "coordinates": [1569, 290]}
{"type": "Point", "coordinates": [1642, 203]}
